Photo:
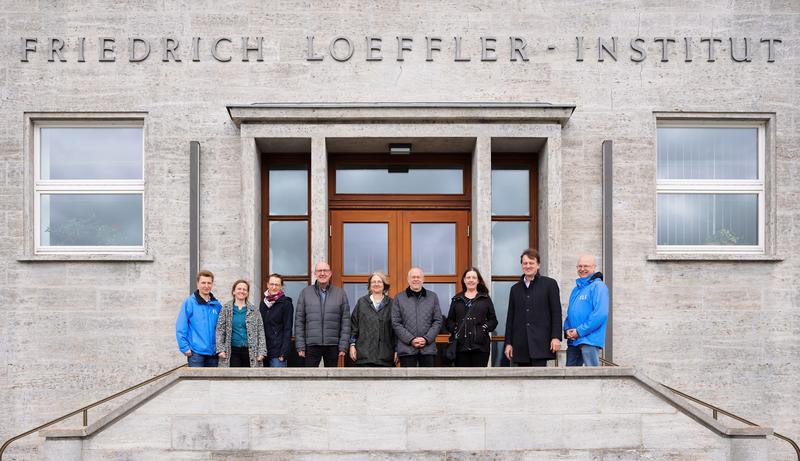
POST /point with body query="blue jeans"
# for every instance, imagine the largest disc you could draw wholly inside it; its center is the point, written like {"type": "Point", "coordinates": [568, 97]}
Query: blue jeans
{"type": "Point", "coordinates": [583, 354]}
{"type": "Point", "coordinates": [199, 360]}
{"type": "Point", "coordinates": [275, 363]}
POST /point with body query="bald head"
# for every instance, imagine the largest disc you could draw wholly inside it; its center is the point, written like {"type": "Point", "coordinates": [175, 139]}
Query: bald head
{"type": "Point", "coordinates": [587, 265]}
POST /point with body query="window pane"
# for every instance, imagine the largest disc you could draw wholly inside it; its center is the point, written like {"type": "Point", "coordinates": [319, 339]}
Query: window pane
{"type": "Point", "coordinates": [445, 292]}
{"type": "Point", "coordinates": [288, 247]}
{"type": "Point", "coordinates": [509, 239]}
{"type": "Point", "coordinates": [433, 247]}
{"type": "Point", "coordinates": [708, 153]}
{"type": "Point", "coordinates": [288, 192]}
{"type": "Point", "coordinates": [499, 294]}
{"type": "Point", "coordinates": [510, 193]}
{"type": "Point", "coordinates": [415, 181]}
{"type": "Point", "coordinates": [292, 290]}
{"type": "Point", "coordinates": [91, 153]}
{"type": "Point", "coordinates": [91, 219]}
{"type": "Point", "coordinates": [707, 219]}
{"type": "Point", "coordinates": [366, 247]}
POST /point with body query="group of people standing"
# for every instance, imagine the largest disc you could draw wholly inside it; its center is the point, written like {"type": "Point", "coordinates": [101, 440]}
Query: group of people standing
{"type": "Point", "coordinates": [383, 332]}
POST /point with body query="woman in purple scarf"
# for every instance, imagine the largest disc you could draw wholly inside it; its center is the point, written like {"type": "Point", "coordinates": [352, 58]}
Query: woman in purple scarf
{"type": "Point", "coordinates": [277, 313]}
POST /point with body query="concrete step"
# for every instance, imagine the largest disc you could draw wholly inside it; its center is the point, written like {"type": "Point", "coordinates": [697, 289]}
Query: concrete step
{"type": "Point", "coordinates": [387, 414]}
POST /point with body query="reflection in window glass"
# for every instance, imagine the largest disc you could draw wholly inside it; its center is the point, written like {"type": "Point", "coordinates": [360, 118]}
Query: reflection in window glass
{"type": "Point", "coordinates": [509, 239]}
{"type": "Point", "coordinates": [288, 192]}
{"type": "Point", "coordinates": [445, 292]}
{"type": "Point", "coordinates": [90, 153]}
{"type": "Point", "coordinates": [433, 247]}
{"type": "Point", "coordinates": [415, 181]}
{"type": "Point", "coordinates": [707, 153]}
{"type": "Point", "coordinates": [708, 219]}
{"type": "Point", "coordinates": [91, 219]}
{"type": "Point", "coordinates": [510, 194]}
{"type": "Point", "coordinates": [288, 247]}
{"type": "Point", "coordinates": [366, 247]}
{"type": "Point", "coordinates": [499, 294]}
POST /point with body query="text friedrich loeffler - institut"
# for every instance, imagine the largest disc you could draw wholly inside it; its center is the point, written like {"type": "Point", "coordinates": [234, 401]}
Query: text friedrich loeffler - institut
{"type": "Point", "coordinates": [144, 141]}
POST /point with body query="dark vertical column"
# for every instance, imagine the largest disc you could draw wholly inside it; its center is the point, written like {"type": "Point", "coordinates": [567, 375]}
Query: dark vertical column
{"type": "Point", "coordinates": [608, 243]}
{"type": "Point", "coordinates": [194, 212]}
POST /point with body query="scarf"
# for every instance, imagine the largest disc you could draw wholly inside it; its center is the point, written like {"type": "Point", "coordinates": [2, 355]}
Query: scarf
{"type": "Point", "coordinates": [269, 299]}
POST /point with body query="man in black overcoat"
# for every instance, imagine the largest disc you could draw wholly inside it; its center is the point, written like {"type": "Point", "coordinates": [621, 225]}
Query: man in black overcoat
{"type": "Point", "coordinates": [533, 324]}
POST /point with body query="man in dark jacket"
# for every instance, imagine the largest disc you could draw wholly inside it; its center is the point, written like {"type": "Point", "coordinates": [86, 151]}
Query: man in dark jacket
{"type": "Point", "coordinates": [533, 324]}
{"type": "Point", "coordinates": [322, 320]}
{"type": "Point", "coordinates": [416, 320]}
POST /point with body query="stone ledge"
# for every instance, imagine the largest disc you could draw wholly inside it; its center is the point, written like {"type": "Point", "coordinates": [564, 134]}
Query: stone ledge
{"type": "Point", "coordinates": [76, 257]}
{"type": "Point", "coordinates": [413, 112]}
{"type": "Point", "coordinates": [706, 257]}
{"type": "Point", "coordinates": [412, 373]}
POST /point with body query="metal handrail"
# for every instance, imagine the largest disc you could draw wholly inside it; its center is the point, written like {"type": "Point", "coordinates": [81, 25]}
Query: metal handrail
{"type": "Point", "coordinates": [715, 411]}
{"type": "Point", "coordinates": [85, 410]}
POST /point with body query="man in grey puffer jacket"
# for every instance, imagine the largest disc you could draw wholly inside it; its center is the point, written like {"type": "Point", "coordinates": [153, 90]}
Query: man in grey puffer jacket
{"type": "Point", "coordinates": [322, 320]}
{"type": "Point", "coordinates": [416, 319]}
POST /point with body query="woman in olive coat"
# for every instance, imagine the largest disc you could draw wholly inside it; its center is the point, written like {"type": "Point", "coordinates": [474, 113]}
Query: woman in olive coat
{"type": "Point", "coordinates": [372, 339]}
{"type": "Point", "coordinates": [471, 319]}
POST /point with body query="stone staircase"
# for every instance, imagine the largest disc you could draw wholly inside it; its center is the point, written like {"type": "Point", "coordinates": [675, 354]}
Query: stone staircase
{"type": "Point", "coordinates": [392, 414]}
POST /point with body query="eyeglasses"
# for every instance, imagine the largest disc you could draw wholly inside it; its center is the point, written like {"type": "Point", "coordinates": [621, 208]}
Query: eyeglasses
{"type": "Point", "coordinates": [584, 267]}
{"type": "Point", "coordinates": [322, 271]}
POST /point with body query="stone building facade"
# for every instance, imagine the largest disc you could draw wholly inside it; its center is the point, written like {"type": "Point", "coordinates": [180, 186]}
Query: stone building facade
{"type": "Point", "coordinates": [698, 99]}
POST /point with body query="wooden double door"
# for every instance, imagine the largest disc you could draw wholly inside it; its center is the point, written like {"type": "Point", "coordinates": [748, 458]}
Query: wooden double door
{"type": "Point", "coordinates": [393, 241]}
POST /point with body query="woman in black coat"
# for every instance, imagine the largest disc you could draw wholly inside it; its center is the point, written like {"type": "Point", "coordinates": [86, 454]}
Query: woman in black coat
{"type": "Point", "coordinates": [277, 313]}
{"type": "Point", "coordinates": [372, 339]}
{"type": "Point", "coordinates": [533, 325]}
{"type": "Point", "coordinates": [471, 319]}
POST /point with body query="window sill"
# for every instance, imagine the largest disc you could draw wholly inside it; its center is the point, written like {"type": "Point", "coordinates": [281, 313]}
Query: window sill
{"type": "Point", "coordinates": [659, 257]}
{"type": "Point", "coordinates": [78, 257]}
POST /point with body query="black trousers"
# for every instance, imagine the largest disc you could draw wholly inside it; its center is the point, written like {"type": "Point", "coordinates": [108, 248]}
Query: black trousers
{"type": "Point", "coordinates": [240, 357]}
{"type": "Point", "coordinates": [532, 363]}
{"type": "Point", "coordinates": [329, 355]}
{"type": "Point", "coordinates": [475, 358]}
{"type": "Point", "coordinates": [417, 360]}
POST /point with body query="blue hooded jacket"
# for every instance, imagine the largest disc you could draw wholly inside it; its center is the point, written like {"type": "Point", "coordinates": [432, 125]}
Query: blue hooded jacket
{"type": "Point", "coordinates": [196, 327]}
{"type": "Point", "coordinates": [588, 311]}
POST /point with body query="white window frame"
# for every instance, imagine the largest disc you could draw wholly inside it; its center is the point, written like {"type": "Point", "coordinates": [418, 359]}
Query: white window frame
{"type": "Point", "coordinates": [726, 186]}
{"type": "Point", "coordinates": [83, 186]}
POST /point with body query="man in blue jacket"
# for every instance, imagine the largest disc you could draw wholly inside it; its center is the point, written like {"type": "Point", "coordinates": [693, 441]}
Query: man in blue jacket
{"type": "Point", "coordinates": [587, 316]}
{"type": "Point", "coordinates": [195, 329]}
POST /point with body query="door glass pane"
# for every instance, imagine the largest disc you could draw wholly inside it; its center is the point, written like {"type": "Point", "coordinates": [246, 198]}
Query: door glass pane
{"type": "Point", "coordinates": [445, 292]}
{"type": "Point", "coordinates": [288, 192]}
{"type": "Point", "coordinates": [509, 239]}
{"type": "Point", "coordinates": [355, 291]}
{"type": "Point", "coordinates": [288, 247]}
{"type": "Point", "coordinates": [433, 247]}
{"type": "Point", "coordinates": [91, 220]}
{"type": "Point", "coordinates": [708, 219]}
{"type": "Point", "coordinates": [91, 153]}
{"type": "Point", "coordinates": [499, 294]}
{"type": "Point", "coordinates": [366, 247]}
{"type": "Point", "coordinates": [415, 181]}
{"type": "Point", "coordinates": [510, 193]}
{"type": "Point", "coordinates": [708, 153]}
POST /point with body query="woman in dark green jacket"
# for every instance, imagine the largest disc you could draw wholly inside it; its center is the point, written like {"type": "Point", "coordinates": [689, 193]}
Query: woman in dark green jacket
{"type": "Point", "coordinates": [372, 339]}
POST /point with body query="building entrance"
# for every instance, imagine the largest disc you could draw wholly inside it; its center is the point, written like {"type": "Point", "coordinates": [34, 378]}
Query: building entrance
{"type": "Point", "coordinates": [393, 241]}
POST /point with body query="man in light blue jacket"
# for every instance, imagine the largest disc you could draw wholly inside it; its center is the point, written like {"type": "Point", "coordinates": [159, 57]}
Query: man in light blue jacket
{"type": "Point", "coordinates": [196, 326]}
{"type": "Point", "coordinates": [587, 316]}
